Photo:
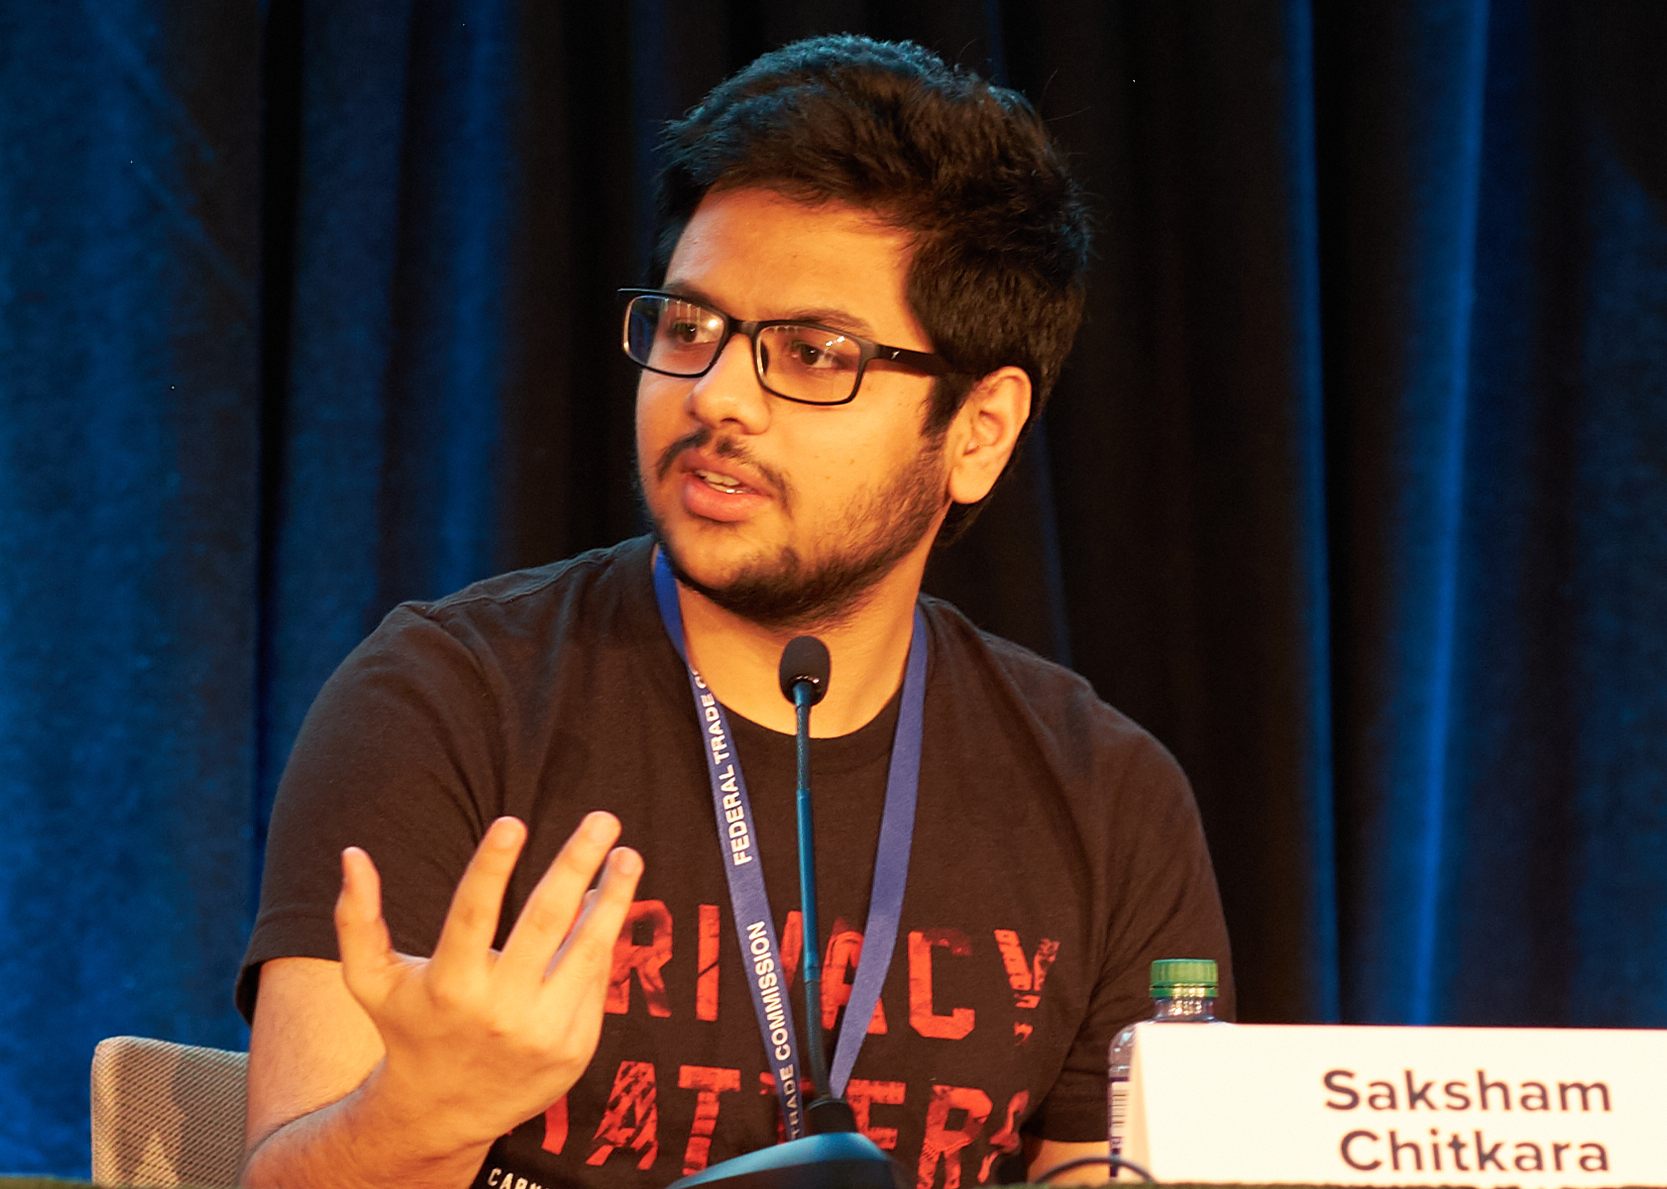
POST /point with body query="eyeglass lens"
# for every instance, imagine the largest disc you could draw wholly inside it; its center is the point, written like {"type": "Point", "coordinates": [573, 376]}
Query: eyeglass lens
{"type": "Point", "coordinates": [682, 338]}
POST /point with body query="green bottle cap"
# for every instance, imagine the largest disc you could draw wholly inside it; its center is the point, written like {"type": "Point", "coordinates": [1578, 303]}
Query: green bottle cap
{"type": "Point", "coordinates": [1188, 978]}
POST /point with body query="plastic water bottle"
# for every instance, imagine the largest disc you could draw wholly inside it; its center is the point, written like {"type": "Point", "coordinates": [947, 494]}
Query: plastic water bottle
{"type": "Point", "coordinates": [1183, 992]}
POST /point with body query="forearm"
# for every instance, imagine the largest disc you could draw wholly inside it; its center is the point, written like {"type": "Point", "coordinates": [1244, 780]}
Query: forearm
{"type": "Point", "coordinates": [362, 1142]}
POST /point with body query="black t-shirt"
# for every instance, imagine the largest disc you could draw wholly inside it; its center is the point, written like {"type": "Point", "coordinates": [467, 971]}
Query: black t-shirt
{"type": "Point", "coordinates": [1056, 852]}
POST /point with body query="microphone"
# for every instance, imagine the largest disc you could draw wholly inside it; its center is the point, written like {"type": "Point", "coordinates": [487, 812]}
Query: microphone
{"type": "Point", "coordinates": [804, 662]}
{"type": "Point", "coordinates": [833, 1155]}
{"type": "Point", "coordinates": [804, 682]}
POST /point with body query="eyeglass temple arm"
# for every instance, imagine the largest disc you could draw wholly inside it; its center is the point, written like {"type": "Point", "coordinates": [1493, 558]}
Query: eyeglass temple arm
{"type": "Point", "coordinates": [932, 365]}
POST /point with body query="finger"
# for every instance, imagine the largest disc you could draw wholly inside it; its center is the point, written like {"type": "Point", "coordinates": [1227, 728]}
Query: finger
{"type": "Point", "coordinates": [550, 910]}
{"type": "Point", "coordinates": [472, 920]}
{"type": "Point", "coordinates": [550, 966]}
{"type": "Point", "coordinates": [367, 953]}
{"type": "Point", "coordinates": [585, 961]}
{"type": "Point", "coordinates": [577, 989]}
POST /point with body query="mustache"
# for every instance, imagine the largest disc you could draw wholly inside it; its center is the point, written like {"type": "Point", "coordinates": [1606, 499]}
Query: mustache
{"type": "Point", "coordinates": [724, 448]}
{"type": "Point", "coordinates": [670, 455]}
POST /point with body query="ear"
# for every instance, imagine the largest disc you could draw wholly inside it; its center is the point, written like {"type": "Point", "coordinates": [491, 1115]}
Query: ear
{"type": "Point", "coordinates": [984, 432]}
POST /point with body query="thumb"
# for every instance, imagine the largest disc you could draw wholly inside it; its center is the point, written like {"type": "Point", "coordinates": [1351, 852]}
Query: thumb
{"type": "Point", "coordinates": [367, 952]}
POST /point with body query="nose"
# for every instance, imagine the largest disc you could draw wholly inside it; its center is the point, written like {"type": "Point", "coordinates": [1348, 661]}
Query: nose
{"type": "Point", "coordinates": [729, 393]}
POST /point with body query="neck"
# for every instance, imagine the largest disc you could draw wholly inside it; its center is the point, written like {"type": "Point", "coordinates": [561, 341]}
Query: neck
{"type": "Point", "coordinates": [740, 660]}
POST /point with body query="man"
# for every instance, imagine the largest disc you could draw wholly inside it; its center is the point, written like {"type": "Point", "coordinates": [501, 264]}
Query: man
{"type": "Point", "coordinates": [871, 273]}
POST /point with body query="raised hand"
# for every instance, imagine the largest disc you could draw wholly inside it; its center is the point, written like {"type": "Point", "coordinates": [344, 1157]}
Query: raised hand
{"type": "Point", "coordinates": [479, 1040]}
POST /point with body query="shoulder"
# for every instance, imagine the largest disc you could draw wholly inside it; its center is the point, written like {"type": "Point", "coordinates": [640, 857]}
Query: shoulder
{"type": "Point", "coordinates": [1000, 684]}
{"type": "Point", "coordinates": [600, 575]}
{"type": "Point", "coordinates": [592, 596]}
{"type": "Point", "coordinates": [503, 640]}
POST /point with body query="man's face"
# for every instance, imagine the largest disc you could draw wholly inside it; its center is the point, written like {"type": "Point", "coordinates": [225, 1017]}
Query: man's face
{"type": "Point", "coordinates": [787, 513]}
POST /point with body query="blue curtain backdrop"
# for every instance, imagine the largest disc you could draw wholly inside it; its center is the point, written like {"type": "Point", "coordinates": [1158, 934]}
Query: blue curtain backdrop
{"type": "Point", "coordinates": [1355, 491]}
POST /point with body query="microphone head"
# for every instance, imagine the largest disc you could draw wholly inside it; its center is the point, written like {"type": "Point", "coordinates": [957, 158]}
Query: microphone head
{"type": "Point", "coordinates": [805, 659]}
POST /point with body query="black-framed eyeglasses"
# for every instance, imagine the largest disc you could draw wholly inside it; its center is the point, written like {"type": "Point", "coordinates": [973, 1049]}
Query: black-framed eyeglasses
{"type": "Point", "coordinates": [798, 361]}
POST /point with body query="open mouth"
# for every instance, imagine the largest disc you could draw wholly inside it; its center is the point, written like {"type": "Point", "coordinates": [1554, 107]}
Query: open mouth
{"type": "Point", "coordinates": [722, 482]}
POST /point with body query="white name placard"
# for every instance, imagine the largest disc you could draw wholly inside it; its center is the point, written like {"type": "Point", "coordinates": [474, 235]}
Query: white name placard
{"type": "Point", "coordinates": [1337, 1105]}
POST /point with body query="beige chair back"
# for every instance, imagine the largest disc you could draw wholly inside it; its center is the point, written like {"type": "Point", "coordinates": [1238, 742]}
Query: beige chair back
{"type": "Point", "coordinates": [166, 1114]}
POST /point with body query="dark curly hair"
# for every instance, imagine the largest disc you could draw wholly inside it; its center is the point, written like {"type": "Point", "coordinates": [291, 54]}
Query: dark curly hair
{"type": "Point", "coordinates": [999, 225]}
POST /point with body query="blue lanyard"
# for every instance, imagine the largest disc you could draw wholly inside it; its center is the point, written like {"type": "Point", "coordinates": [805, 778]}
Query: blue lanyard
{"type": "Point", "coordinates": [738, 840]}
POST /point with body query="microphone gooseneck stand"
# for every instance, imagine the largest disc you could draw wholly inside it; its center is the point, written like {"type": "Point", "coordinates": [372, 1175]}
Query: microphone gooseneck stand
{"type": "Point", "coordinates": [833, 1155]}
{"type": "Point", "coordinates": [804, 682]}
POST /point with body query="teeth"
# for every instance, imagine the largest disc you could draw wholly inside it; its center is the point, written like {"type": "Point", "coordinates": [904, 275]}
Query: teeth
{"type": "Point", "coordinates": [726, 482]}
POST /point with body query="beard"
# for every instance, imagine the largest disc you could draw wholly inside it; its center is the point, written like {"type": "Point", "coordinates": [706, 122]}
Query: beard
{"type": "Point", "coordinates": [788, 593]}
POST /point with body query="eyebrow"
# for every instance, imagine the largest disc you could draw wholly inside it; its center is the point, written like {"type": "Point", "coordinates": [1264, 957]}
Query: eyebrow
{"type": "Point", "coordinates": [830, 316]}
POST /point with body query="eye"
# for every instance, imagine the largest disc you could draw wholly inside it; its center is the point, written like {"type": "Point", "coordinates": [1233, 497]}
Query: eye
{"type": "Point", "coordinates": [816, 350]}
{"type": "Point", "coordinates": [687, 324]}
